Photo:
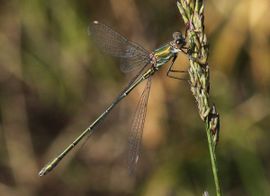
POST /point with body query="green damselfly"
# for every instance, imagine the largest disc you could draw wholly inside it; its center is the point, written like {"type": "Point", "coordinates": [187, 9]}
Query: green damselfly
{"type": "Point", "coordinates": [132, 56]}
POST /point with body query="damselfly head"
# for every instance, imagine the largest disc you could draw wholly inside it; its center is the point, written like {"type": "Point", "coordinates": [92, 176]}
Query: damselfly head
{"type": "Point", "coordinates": [179, 39]}
{"type": "Point", "coordinates": [178, 42]}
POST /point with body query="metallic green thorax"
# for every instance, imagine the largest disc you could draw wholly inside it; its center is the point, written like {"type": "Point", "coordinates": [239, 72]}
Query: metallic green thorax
{"type": "Point", "coordinates": [163, 54]}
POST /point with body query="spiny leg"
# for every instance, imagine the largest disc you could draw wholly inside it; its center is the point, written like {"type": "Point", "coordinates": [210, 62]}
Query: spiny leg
{"type": "Point", "coordinates": [171, 70]}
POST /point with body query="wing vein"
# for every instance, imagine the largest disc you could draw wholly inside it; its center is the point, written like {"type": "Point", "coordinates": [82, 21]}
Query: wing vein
{"type": "Point", "coordinates": [109, 41]}
{"type": "Point", "coordinates": [137, 128]}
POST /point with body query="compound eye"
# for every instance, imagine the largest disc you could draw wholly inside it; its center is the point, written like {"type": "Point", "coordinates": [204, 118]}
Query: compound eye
{"type": "Point", "coordinates": [176, 35]}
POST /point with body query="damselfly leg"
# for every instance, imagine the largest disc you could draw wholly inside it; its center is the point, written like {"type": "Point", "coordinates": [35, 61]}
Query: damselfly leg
{"type": "Point", "coordinates": [171, 70]}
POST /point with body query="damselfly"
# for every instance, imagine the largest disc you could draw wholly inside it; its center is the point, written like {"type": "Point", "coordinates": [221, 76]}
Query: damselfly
{"type": "Point", "coordinates": [132, 56]}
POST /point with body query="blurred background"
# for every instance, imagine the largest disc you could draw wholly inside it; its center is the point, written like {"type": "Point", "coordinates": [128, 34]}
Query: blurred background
{"type": "Point", "coordinates": [54, 82]}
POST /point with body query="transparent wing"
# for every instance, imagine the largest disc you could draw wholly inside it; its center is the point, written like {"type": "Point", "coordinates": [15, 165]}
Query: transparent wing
{"type": "Point", "coordinates": [137, 128]}
{"type": "Point", "coordinates": [109, 41]}
{"type": "Point", "coordinates": [132, 63]}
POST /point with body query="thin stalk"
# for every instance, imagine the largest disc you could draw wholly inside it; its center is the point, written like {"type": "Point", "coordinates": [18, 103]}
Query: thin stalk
{"type": "Point", "coordinates": [212, 153]}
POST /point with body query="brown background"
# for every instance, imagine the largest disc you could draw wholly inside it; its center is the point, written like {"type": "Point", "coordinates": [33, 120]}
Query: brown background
{"type": "Point", "coordinates": [54, 82]}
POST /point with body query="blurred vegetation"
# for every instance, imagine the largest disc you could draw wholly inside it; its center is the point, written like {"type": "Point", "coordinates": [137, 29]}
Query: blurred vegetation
{"type": "Point", "coordinates": [54, 82]}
